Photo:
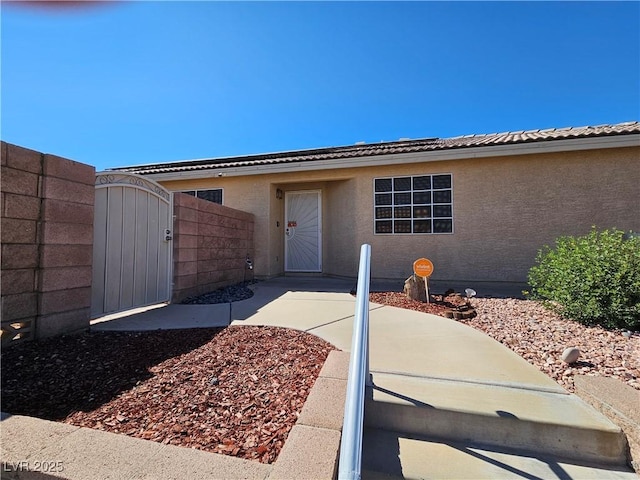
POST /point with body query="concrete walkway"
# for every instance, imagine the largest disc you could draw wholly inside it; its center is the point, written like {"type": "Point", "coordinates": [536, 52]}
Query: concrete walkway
{"type": "Point", "coordinates": [436, 378]}
{"type": "Point", "coordinates": [445, 397]}
{"type": "Point", "coordinates": [175, 316]}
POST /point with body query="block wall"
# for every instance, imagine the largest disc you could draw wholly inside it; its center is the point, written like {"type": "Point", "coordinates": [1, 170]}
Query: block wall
{"type": "Point", "coordinates": [47, 238]}
{"type": "Point", "coordinates": [211, 246]}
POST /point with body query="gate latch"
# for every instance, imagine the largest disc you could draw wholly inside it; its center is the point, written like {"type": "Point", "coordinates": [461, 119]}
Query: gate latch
{"type": "Point", "coordinates": [167, 235]}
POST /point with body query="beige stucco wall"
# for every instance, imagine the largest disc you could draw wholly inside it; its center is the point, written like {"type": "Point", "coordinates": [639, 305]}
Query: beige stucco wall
{"type": "Point", "coordinates": [505, 209]}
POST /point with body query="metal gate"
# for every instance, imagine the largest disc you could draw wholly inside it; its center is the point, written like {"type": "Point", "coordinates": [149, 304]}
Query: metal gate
{"type": "Point", "coordinates": [131, 243]}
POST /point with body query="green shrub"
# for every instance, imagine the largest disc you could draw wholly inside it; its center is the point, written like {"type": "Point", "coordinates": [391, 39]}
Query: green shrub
{"type": "Point", "coordinates": [594, 279]}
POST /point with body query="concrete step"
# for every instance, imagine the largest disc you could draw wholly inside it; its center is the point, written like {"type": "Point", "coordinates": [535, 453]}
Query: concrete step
{"type": "Point", "coordinates": [390, 455]}
{"type": "Point", "coordinates": [522, 417]}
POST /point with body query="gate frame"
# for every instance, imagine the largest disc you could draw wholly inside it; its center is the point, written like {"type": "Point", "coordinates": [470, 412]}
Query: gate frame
{"type": "Point", "coordinates": [107, 178]}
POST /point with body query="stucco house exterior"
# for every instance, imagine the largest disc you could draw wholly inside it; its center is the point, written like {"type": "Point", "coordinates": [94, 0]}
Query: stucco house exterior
{"type": "Point", "coordinates": [478, 206]}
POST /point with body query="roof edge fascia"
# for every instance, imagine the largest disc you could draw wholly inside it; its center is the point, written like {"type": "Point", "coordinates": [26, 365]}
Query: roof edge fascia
{"type": "Point", "coordinates": [464, 153]}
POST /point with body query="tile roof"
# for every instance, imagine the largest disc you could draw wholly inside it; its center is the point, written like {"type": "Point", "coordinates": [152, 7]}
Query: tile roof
{"type": "Point", "coordinates": [386, 148]}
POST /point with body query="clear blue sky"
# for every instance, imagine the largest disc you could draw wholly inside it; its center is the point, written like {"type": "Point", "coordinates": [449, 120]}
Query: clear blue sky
{"type": "Point", "coordinates": [128, 83]}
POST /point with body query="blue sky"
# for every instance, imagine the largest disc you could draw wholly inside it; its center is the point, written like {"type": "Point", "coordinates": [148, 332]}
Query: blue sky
{"type": "Point", "coordinates": [126, 83]}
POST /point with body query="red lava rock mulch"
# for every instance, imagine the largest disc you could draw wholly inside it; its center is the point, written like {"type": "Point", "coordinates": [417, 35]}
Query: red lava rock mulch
{"type": "Point", "coordinates": [540, 336]}
{"type": "Point", "coordinates": [450, 305]}
{"type": "Point", "coordinates": [236, 391]}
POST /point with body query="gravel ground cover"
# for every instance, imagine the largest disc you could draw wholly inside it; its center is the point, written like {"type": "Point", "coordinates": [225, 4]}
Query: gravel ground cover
{"type": "Point", "coordinates": [540, 336]}
{"type": "Point", "coordinates": [236, 391]}
{"type": "Point", "coordinates": [232, 293]}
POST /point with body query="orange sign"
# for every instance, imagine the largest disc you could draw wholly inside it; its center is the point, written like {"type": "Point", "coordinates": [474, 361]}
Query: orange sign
{"type": "Point", "coordinates": [423, 267]}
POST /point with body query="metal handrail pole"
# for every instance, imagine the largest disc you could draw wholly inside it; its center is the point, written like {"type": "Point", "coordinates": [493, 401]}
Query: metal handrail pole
{"type": "Point", "coordinates": [351, 442]}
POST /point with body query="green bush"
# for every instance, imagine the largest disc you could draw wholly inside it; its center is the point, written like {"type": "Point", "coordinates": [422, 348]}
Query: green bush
{"type": "Point", "coordinates": [594, 279]}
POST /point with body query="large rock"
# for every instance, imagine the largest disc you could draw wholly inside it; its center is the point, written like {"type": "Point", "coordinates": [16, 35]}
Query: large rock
{"type": "Point", "coordinates": [414, 288]}
{"type": "Point", "coordinates": [570, 355]}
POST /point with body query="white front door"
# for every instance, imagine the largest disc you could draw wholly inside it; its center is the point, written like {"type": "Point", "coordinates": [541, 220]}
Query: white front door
{"type": "Point", "coordinates": [303, 232]}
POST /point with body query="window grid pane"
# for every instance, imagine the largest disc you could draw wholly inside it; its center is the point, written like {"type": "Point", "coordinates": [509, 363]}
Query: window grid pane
{"type": "Point", "coordinates": [422, 226]}
{"type": "Point", "coordinates": [384, 212]}
{"type": "Point", "coordinates": [402, 212]}
{"type": "Point", "coordinates": [383, 185]}
{"type": "Point", "coordinates": [420, 204]}
{"type": "Point", "coordinates": [422, 183]}
{"type": "Point", "coordinates": [422, 198]}
{"type": "Point", "coordinates": [402, 198]}
{"type": "Point", "coordinates": [441, 181]}
{"type": "Point", "coordinates": [384, 199]}
{"type": "Point", "coordinates": [442, 211]}
{"type": "Point", "coordinates": [442, 196]}
{"type": "Point", "coordinates": [402, 226]}
{"type": "Point", "coordinates": [402, 184]}
{"type": "Point", "coordinates": [383, 226]}
{"type": "Point", "coordinates": [421, 212]}
{"type": "Point", "coordinates": [442, 226]}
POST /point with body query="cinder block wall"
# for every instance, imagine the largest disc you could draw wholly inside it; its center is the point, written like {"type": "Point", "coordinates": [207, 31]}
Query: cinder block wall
{"type": "Point", "coordinates": [211, 245]}
{"type": "Point", "coordinates": [47, 238]}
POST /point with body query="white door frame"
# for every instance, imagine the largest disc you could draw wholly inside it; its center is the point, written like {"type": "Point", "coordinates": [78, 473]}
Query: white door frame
{"type": "Point", "coordinates": [287, 196]}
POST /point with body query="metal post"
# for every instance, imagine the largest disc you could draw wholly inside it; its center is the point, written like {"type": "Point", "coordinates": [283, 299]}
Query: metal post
{"type": "Point", "coordinates": [426, 287]}
{"type": "Point", "coordinates": [351, 442]}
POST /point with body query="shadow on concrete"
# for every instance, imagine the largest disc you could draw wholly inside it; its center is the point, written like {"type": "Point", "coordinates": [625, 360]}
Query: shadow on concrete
{"type": "Point", "coordinates": [383, 455]}
{"type": "Point", "coordinates": [415, 402]}
{"type": "Point", "coordinates": [165, 317]}
{"type": "Point", "coordinates": [559, 472]}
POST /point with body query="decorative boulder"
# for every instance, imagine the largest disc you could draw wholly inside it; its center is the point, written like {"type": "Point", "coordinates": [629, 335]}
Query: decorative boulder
{"type": "Point", "coordinates": [414, 288]}
{"type": "Point", "coordinates": [570, 355]}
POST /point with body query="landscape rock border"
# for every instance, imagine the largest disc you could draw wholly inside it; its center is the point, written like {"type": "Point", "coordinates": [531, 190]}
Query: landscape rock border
{"type": "Point", "coordinates": [617, 401]}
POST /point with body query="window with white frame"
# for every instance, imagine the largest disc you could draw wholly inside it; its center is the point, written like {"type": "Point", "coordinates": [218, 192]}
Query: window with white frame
{"type": "Point", "coordinates": [213, 195]}
{"type": "Point", "coordinates": [419, 204]}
